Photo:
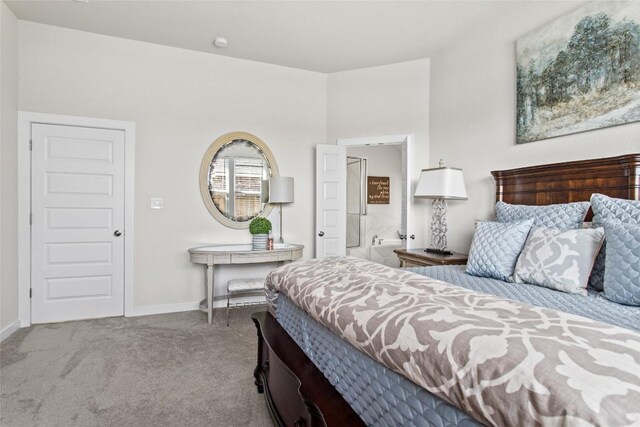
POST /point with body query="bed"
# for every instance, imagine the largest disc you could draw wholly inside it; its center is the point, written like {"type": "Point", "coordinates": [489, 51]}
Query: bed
{"type": "Point", "coordinates": [312, 376]}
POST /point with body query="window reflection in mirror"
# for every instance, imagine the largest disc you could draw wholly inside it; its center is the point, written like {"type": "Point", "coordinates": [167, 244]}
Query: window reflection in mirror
{"type": "Point", "coordinates": [238, 180]}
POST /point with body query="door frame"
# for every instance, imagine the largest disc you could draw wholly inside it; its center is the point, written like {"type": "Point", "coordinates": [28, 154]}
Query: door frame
{"type": "Point", "coordinates": [404, 140]}
{"type": "Point", "coordinates": [25, 120]}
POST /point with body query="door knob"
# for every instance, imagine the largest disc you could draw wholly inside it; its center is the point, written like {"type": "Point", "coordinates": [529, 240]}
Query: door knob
{"type": "Point", "coordinates": [117, 233]}
{"type": "Point", "coordinates": [321, 233]}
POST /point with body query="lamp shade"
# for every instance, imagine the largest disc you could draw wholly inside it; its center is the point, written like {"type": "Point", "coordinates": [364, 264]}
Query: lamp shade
{"type": "Point", "coordinates": [441, 183]}
{"type": "Point", "coordinates": [281, 189]}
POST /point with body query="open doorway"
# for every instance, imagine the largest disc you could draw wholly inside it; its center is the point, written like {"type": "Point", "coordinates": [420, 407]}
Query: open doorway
{"type": "Point", "coordinates": [377, 188]}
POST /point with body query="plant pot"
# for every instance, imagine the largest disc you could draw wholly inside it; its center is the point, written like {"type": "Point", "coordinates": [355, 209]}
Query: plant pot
{"type": "Point", "coordinates": [260, 242]}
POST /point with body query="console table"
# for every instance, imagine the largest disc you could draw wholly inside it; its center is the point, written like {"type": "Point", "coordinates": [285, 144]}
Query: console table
{"type": "Point", "coordinates": [237, 254]}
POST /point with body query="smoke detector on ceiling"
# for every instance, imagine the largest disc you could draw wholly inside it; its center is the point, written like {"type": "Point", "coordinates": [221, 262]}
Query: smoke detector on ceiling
{"type": "Point", "coordinates": [220, 42]}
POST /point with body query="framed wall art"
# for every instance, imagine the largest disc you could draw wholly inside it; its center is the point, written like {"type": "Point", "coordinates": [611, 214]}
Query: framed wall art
{"type": "Point", "coordinates": [378, 190]}
{"type": "Point", "coordinates": [580, 72]}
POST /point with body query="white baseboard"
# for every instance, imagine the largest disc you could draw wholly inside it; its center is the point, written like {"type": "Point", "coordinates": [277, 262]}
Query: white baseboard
{"type": "Point", "coordinates": [147, 310]}
{"type": "Point", "coordinates": [9, 330]}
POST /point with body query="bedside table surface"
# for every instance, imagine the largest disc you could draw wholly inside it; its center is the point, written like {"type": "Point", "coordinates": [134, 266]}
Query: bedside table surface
{"type": "Point", "coordinates": [418, 254]}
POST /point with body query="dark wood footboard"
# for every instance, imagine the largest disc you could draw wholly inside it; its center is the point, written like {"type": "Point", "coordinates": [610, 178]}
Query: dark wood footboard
{"type": "Point", "coordinates": [296, 392]}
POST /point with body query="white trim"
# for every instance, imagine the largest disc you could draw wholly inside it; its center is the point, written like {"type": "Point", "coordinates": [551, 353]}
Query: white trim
{"type": "Point", "coordinates": [25, 119]}
{"type": "Point", "coordinates": [147, 310]}
{"type": "Point", "coordinates": [402, 139]}
{"type": "Point", "coordinates": [375, 140]}
{"type": "Point", "coordinates": [9, 330]}
{"type": "Point", "coordinates": [409, 148]}
{"type": "Point", "coordinates": [24, 231]}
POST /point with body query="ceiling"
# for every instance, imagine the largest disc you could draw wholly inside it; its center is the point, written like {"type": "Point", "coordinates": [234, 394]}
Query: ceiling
{"type": "Point", "coordinates": [322, 36]}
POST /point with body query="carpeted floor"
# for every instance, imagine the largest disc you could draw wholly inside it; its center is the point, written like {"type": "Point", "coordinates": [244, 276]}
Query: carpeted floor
{"type": "Point", "coordinates": [164, 370]}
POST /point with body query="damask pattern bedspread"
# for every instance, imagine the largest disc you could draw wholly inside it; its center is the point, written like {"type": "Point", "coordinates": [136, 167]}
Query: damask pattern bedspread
{"type": "Point", "coordinates": [503, 362]}
{"type": "Point", "coordinates": [380, 396]}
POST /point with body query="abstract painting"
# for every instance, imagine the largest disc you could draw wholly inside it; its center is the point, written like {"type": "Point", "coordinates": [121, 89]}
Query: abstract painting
{"type": "Point", "coordinates": [580, 72]}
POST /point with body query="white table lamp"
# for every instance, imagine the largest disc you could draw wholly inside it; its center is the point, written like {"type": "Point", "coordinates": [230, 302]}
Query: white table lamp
{"type": "Point", "coordinates": [281, 192]}
{"type": "Point", "coordinates": [440, 184]}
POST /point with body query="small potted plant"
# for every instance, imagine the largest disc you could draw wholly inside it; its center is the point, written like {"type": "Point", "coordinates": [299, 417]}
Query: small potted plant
{"type": "Point", "coordinates": [260, 228]}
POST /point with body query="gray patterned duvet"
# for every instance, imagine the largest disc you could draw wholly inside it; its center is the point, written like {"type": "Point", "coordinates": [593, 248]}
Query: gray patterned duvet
{"type": "Point", "coordinates": [380, 396]}
{"type": "Point", "coordinates": [384, 398]}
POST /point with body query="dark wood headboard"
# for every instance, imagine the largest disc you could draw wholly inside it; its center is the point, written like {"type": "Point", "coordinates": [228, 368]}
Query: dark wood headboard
{"type": "Point", "coordinates": [570, 181]}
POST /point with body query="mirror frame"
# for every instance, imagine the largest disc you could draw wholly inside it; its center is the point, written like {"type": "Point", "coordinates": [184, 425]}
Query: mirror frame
{"type": "Point", "coordinates": [204, 172]}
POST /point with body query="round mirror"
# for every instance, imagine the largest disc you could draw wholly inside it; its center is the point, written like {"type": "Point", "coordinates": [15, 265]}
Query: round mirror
{"type": "Point", "coordinates": [234, 178]}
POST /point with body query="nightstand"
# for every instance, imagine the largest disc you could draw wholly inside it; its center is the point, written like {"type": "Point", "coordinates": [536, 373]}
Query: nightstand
{"type": "Point", "coordinates": [420, 258]}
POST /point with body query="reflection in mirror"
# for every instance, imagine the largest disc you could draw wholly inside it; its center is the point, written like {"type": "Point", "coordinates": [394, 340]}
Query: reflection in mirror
{"type": "Point", "coordinates": [238, 174]}
{"type": "Point", "coordinates": [356, 199]}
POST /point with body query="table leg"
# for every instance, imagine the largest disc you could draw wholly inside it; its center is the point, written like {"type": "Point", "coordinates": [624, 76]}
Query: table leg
{"type": "Point", "coordinates": [205, 283]}
{"type": "Point", "coordinates": [209, 279]}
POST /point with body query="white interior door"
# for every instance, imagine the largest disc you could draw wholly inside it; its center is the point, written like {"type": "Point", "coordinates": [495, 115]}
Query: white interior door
{"type": "Point", "coordinates": [331, 200]}
{"type": "Point", "coordinates": [77, 203]}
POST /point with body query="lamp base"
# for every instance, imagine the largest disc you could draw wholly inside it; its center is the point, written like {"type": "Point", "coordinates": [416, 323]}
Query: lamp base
{"type": "Point", "coordinates": [439, 228]}
{"type": "Point", "coordinates": [438, 251]}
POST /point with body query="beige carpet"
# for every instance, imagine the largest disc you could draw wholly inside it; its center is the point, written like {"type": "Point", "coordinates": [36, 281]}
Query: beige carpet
{"type": "Point", "coordinates": [164, 370]}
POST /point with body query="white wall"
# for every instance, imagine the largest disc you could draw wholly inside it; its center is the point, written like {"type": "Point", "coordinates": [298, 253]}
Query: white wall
{"type": "Point", "coordinates": [473, 119]}
{"type": "Point", "coordinates": [181, 102]}
{"type": "Point", "coordinates": [386, 100]}
{"type": "Point", "coordinates": [8, 170]}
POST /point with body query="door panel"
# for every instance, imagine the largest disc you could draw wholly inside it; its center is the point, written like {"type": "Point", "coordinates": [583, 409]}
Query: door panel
{"type": "Point", "coordinates": [79, 218]}
{"type": "Point", "coordinates": [78, 287]}
{"type": "Point", "coordinates": [331, 200]}
{"type": "Point", "coordinates": [77, 202]}
{"type": "Point", "coordinates": [72, 183]}
{"type": "Point", "coordinates": [76, 253]}
{"type": "Point", "coordinates": [79, 148]}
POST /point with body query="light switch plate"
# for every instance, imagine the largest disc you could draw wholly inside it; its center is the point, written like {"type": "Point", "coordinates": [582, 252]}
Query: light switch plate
{"type": "Point", "coordinates": [157, 203]}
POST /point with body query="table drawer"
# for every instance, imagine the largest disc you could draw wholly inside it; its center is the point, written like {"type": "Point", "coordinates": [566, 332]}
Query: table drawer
{"type": "Point", "coordinates": [254, 258]}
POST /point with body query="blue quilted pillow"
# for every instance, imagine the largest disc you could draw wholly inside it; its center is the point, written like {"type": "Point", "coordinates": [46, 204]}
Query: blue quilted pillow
{"type": "Point", "coordinates": [565, 216]}
{"type": "Point", "coordinates": [605, 209]}
{"type": "Point", "coordinates": [495, 248]}
{"type": "Point", "coordinates": [622, 266]}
